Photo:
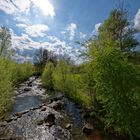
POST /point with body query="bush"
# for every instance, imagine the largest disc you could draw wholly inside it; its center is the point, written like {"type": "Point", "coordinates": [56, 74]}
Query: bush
{"type": "Point", "coordinates": [47, 78]}
{"type": "Point", "coordinates": [60, 76]}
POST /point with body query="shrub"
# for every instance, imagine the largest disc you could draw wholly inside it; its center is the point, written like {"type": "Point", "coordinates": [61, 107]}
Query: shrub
{"type": "Point", "coordinates": [47, 78]}
{"type": "Point", "coordinates": [60, 76]}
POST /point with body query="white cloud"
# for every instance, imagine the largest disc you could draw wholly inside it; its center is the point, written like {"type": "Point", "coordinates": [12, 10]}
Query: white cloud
{"type": "Point", "coordinates": [96, 28]}
{"type": "Point", "coordinates": [82, 35]}
{"type": "Point", "coordinates": [21, 25]}
{"type": "Point", "coordinates": [71, 28]}
{"type": "Point", "coordinates": [63, 32]}
{"type": "Point", "coordinates": [45, 6]}
{"type": "Point", "coordinates": [56, 42]}
{"type": "Point", "coordinates": [7, 7]}
{"type": "Point", "coordinates": [13, 6]}
{"type": "Point", "coordinates": [23, 6]}
{"type": "Point", "coordinates": [25, 46]}
{"type": "Point", "coordinates": [137, 20]}
{"type": "Point", "coordinates": [24, 42]}
{"type": "Point", "coordinates": [36, 30]}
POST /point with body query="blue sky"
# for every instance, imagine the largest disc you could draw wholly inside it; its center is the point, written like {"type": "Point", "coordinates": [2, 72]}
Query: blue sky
{"type": "Point", "coordinates": [57, 24]}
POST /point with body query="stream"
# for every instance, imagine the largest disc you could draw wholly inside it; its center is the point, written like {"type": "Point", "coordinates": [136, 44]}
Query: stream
{"type": "Point", "coordinates": [40, 115]}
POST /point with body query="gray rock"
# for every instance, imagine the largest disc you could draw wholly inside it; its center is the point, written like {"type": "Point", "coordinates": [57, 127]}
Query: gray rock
{"type": "Point", "coordinates": [40, 122]}
{"type": "Point", "coordinates": [57, 98]}
{"type": "Point", "coordinates": [27, 89]}
{"type": "Point", "coordinates": [56, 104]}
{"type": "Point", "coordinates": [43, 109]}
{"type": "Point", "coordinates": [49, 119]}
{"type": "Point", "coordinates": [87, 129]}
{"type": "Point", "coordinates": [68, 126]}
{"type": "Point", "coordinates": [19, 114]}
{"type": "Point", "coordinates": [3, 124]}
{"type": "Point", "coordinates": [9, 120]}
{"type": "Point", "coordinates": [34, 108]}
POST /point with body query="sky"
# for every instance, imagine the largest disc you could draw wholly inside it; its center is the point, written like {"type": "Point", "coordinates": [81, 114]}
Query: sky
{"type": "Point", "coordinates": [57, 25]}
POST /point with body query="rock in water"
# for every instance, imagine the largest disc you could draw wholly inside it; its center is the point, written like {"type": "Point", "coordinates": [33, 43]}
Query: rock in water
{"type": "Point", "coordinates": [9, 120]}
{"type": "Point", "coordinates": [43, 109]}
{"type": "Point", "coordinates": [68, 126]}
{"type": "Point", "coordinates": [56, 104]}
{"type": "Point", "coordinates": [57, 98]}
{"type": "Point", "coordinates": [50, 119]}
{"type": "Point", "coordinates": [87, 129]}
{"type": "Point", "coordinates": [27, 89]}
{"type": "Point", "coordinates": [18, 114]}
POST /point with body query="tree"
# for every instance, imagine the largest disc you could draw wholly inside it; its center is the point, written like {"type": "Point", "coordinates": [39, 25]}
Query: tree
{"type": "Point", "coordinates": [42, 57]}
{"type": "Point", "coordinates": [118, 27]}
{"type": "Point", "coordinates": [5, 42]}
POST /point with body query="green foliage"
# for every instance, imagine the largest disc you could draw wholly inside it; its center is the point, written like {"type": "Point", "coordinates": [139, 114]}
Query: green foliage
{"type": "Point", "coordinates": [47, 78]}
{"type": "Point", "coordinates": [71, 84]}
{"type": "Point", "coordinates": [64, 79]}
{"type": "Point", "coordinates": [5, 87]}
{"type": "Point", "coordinates": [117, 82]}
{"type": "Point", "coordinates": [11, 74]}
{"type": "Point", "coordinates": [112, 77]}
{"type": "Point", "coordinates": [77, 91]}
{"type": "Point", "coordinates": [60, 76]}
{"type": "Point", "coordinates": [119, 29]}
